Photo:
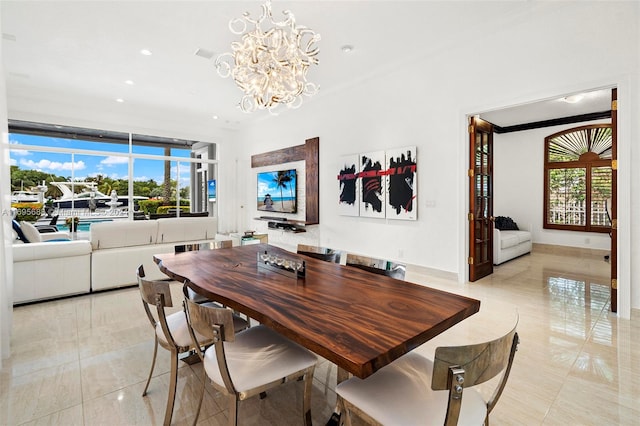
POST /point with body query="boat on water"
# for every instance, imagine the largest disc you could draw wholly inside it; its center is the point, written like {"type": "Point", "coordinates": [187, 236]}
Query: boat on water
{"type": "Point", "coordinates": [26, 197]}
{"type": "Point", "coordinates": [35, 194]}
{"type": "Point", "coordinates": [90, 198]}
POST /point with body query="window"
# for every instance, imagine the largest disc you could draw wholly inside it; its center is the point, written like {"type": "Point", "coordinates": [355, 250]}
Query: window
{"type": "Point", "coordinates": [78, 169]}
{"type": "Point", "coordinates": [577, 179]}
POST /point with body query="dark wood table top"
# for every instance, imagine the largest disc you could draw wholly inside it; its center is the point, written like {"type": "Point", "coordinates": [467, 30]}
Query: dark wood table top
{"type": "Point", "coordinates": [358, 320]}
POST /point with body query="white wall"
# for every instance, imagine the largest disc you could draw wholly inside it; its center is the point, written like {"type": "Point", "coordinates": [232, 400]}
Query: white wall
{"type": "Point", "coordinates": [546, 53]}
{"type": "Point", "coordinates": [540, 50]}
{"type": "Point", "coordinates": [519, 182]}
{"type": "Point", "coordinates": [6, 254]}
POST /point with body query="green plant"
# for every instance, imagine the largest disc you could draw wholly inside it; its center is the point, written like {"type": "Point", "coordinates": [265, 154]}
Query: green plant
{"type": "Point", "coordinates": [29, 212]}
{"type": "Point", "coordinates": [74, 219]}
{"type": "Point", "coordinates": [165, 209]}
{"type": "Point", "coordinates": [152, 206]}
{"type": "Point", "coordinates": [149, 206]}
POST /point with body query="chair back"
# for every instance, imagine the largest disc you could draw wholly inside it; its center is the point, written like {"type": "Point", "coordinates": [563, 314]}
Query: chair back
{"type": "Point", "coordinates": [213, 323]}
{"type": "Point", "coordinates": [377, 266]}
{"type": "Point", "coordinates": [458, 367]}
{"type": "Point", "coordinates": [322, 253]}
{"type": "Point", "coordinates": [158, 294]}
{"type": "Point", "coordinates": [220, 244]}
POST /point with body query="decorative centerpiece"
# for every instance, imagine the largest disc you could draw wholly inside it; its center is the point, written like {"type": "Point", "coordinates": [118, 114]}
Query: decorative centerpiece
{"type": "Point", "coordinates": [289, 266]}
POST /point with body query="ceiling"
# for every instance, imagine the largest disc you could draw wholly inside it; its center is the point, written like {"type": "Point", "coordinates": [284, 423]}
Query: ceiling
{"type": "Point", "coordinates": [83, 52]}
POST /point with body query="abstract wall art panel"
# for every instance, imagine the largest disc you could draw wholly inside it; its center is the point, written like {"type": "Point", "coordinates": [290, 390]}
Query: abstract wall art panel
{"type": "Point", "coordinates": [401, 183]}
{"type": "Point", "coordinates": [372, 184]}
{"type": "Point", "coordinates": [348, 186]}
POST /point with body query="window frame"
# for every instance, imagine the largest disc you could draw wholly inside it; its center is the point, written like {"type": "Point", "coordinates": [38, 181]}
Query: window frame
{"type": "Point", "coordinates": [587, 161]}
{"type": "Point", "coordinates": [132, 140]}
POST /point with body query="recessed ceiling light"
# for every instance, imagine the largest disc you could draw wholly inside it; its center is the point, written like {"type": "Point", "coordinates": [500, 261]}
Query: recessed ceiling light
{"type": "Point", "coordinates": [215, 117]}
{"type": "Point", "coordinates": [146, 52]}
{"type": "Point", "coordinates": [347, 48]}
{"type": "Point", "coordinates": [204, 53]}
{"type": "Point", "coordinates": [129, 82]}
{"type": "Point", "coordinates": [572, 99]}
{"type": "Point", "coordinates": [120, 100]}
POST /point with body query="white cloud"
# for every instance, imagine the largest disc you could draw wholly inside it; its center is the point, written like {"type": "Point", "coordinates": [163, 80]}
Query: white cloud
{"type": "Point", "coordinates": [18, 152]}
{"type": "Point", "coordinates": [52, 165]}
{"type": "Point", "coordinates": [13, 162]}
{"type": "Point", "coordinates": [112, 160]}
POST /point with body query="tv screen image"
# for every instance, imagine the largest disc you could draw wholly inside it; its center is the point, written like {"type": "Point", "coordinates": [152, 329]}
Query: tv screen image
{"type": "Point", "coordinates": [277, 191]}
{"type": "Point", "coordinates": [211, 189]}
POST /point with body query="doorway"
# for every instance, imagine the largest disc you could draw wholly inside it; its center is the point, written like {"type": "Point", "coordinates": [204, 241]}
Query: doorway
{"type": "Point", "coordinates": [598, 104]}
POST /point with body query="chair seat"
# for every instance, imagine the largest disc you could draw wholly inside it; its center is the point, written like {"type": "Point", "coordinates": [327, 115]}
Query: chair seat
{"type": "Point", "coordinates": [400, 394]}
{"type": "Point", "coordinates": [258, 355]}
{"type": "Point", "coordinates": [177, 323]}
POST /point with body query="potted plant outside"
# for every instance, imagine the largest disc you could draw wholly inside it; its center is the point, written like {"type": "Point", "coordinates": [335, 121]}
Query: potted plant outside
{"type": "Point", "coordinates": [72, 223]}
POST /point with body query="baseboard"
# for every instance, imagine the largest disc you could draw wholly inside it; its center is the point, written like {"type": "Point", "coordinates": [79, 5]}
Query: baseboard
{"type": "Point", "coordinates": [568, 251]}
{"type": "Point", "coordinates": [436, 273]}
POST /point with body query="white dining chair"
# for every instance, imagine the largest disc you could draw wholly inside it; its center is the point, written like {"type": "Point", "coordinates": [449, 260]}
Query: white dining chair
{"type": "Point", "coordinates": [414, 390]}
{"type": "Point", "coordinates": [322, 253]}
{"type": "Point", "coordinates": [170, 331]}
{"type": "Point", "coordinates": [377, 266]}
{"type": "Point", "coordinates": [245, 364]}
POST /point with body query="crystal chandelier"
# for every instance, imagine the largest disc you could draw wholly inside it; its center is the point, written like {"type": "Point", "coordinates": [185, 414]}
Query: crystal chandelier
{"type": "Point", "coordinates": [270, 65]}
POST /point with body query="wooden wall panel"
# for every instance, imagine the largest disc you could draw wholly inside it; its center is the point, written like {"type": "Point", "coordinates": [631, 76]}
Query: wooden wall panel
{"type": "Point", "coordinates": [310, 154]}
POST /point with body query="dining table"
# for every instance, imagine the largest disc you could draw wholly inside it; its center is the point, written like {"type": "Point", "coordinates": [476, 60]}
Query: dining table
{"type": "Point", "coordinates": [356, 319]}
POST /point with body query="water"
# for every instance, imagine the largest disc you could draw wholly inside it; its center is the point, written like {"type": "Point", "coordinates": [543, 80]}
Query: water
{"type": "Point", "coordinates": [83, 226]}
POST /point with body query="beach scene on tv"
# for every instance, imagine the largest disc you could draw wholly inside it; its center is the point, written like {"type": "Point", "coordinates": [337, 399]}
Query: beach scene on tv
{"type": "Point", "coordinates": [277, 191]}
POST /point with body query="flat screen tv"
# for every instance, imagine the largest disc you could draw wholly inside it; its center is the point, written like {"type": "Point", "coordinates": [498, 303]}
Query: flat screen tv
{"type": "Point", "coordinates": [277, 191]}
{"type": "Point", "coordinates": [211, 189]}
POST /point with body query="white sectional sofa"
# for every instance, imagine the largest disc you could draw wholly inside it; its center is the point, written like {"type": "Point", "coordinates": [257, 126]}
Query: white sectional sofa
{"type": "Point", "coordinates": [509, 244]}
{"type": "Point", "coordinates": [46, 270]}
{"type": "Point", "coordinates": [50, 269]}
{"type": "Point", "coordinates": [119, 247]}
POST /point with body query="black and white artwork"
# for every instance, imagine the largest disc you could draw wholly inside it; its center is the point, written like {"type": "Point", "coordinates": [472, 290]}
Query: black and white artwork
{"type": "Point", "coordinates": [401, 183]}
{"type": "Point", "coordinates": [379, 184]}
{"type": "Point", "coordinates": [349, 202]}
{"type": "Point", "coordinates": [372, 184]}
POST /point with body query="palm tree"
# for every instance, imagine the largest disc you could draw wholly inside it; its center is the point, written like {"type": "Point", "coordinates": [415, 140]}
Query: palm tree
{"type": "Point", "coordinates": [166, 184]}
{"type": "Point", "coordinates": [282, 178]}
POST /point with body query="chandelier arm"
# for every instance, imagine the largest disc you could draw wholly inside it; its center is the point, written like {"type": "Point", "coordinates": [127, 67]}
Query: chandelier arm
{"type": "Point", "coordinates": [270, 66]}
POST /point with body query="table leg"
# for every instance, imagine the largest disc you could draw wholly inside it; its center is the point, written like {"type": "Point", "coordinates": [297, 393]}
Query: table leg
{"type": "Point", "coordinates": [342, 375]}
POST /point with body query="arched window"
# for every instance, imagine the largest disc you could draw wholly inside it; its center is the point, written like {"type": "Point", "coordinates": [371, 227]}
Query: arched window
{"type": "Point", "coordinates": [577, 179]}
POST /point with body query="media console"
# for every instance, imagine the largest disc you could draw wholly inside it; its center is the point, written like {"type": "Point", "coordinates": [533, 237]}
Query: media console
{"type": "Point", "coordinates": [283, 223]}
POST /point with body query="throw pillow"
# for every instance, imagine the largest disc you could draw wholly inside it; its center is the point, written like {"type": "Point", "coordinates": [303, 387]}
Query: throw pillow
{"type": "Point", "coordinates": [505, 223]}
{"type": "Point", "coordinates": [31, 232]}
{"type": "Point", "coordinates": [18, 231]}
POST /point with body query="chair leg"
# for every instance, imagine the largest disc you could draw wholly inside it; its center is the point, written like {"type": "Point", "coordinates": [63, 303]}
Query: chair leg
{"type": "Point", "coordinates": [345, 414]}
{"type": "Point", "coordinates": [153, 364]}
{"type": "Point", "coordinates": [173, 381]}
{"type": "Point", "coordinates": [233, 409]}
{"type": "Point", "coordinates": [306, 398]}
{"type": "Point", "coordinates": [204, 383]}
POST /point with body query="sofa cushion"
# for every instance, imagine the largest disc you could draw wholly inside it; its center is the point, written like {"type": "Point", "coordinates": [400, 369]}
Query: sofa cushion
{"type": "Point", "coordinates": [186, 229]}
{"type": "Point", "coordinates": [513, 238]}
{"type": "Point", "coordinates": [30, 232]}
{"type": "Point", "coordinates": [123, 233]}
{"type": "Point", "coordinates": [19, 235]}
{"type": "Point", "coordinates": [505, 223]}
{"type": "Point", "coordinates": [50, 250]}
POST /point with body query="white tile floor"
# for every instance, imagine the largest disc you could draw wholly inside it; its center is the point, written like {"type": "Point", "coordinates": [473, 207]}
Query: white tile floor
{"type": "Point", "coordinates": [84, 360]}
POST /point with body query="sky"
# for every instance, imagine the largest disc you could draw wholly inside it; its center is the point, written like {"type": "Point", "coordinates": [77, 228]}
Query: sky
{"type": "Point", "coordinates": [82, 166]}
